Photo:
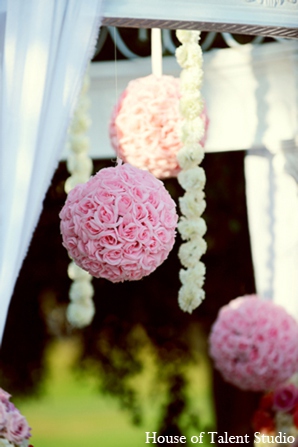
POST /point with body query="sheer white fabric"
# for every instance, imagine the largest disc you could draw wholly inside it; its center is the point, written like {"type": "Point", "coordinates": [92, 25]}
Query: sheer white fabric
{"type": "Point", "coordinates": [272, 201]}
{"type": "Point", "coordinates": [45, 46]}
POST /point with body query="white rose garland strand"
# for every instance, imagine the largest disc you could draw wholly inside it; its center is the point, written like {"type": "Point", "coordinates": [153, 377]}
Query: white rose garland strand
{"type": "Point", "coordinates": [80, 311]}
{"type": "Point", "coordinates": [191, 226]}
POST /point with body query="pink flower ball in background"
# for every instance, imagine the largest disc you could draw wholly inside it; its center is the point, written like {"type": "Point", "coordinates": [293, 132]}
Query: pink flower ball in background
{"type": "Point", "coordinates": [144, 127]}
{"type": "Point", "coordinates": [254, 344]}
{"type": "Point", "coordinates": [17, 428]}
{"type": "Point", "coordinates": [120, 225]}
{"type": "Point", "coordinates": [13, 425]}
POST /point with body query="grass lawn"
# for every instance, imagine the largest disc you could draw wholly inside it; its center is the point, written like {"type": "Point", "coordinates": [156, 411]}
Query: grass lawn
{"type": "Point", "coordinates": [72, 413]}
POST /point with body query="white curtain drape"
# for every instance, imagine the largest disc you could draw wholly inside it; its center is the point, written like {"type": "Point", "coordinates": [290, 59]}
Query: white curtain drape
{"type": "Point", "coordinates": [45, 46]}
{"type": "Point", "coordinates": [272, 201]}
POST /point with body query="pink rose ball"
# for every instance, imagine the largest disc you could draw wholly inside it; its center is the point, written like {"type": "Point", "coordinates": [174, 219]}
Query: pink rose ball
{"type": "Point", "coordinates": [144, 128]}
{"type": "Point", "coordinates": [120, 225]}
{"type": "Point", "coordinates": [254, 344]}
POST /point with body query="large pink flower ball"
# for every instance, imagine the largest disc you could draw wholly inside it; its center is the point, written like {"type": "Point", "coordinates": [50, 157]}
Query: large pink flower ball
{"type": "Point", "coordinates": [144, 128]}
{"type": "Point", "coordinates": [120, 225]}
{"type": "Point", "coordinates": [254, 344]}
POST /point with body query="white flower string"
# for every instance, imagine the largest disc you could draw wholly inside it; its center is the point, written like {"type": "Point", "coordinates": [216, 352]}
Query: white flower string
{"type": "Point", "coordinates": [191, 226]}
{"type": "Point", "coordinates": [81, 309]}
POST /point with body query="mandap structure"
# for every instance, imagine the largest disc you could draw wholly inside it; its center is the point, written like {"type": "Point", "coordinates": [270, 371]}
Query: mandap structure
{"type": "Point", "coordinates": [251, 92]}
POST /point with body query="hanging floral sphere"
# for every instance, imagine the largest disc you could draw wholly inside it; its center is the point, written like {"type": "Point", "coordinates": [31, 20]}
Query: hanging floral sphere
{"type": "Point", "coordinates": [145, 124]}
{"type": "Point", "coordinates": [14, 428]}
{"type": "Point", "coordinates": [120, 225]}
{"type": "Point", "coordinates": [254, 344]}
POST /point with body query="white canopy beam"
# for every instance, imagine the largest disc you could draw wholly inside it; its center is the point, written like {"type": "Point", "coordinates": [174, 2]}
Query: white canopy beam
{"type": "Point", "coordinates": [276, 18]}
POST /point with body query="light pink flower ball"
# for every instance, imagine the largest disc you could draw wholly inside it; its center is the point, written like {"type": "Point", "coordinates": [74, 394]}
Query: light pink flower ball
{"type": "Point", "coordinates": [17, 428]}
{"type": "Point", "coordinates": [144, 127]}
{"type": "Point", "coordinates": [254, 344]}
{"type": "Point", "coordinates": [13, 425]}
{"type": "Point", "coordinates": [120, 225]}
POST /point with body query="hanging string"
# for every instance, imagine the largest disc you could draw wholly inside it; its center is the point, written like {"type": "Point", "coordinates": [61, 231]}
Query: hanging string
{"type": "Point", "coordinates": [118, 160]}
{"type": "Point", "coordinates": [115, 65]}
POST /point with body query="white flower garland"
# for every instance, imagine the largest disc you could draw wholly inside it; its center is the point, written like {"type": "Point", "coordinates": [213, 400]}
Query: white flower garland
{"type": "Point", "coordinates": [81, 309]}
{"type": "Point", "coordinates": [192, 177]}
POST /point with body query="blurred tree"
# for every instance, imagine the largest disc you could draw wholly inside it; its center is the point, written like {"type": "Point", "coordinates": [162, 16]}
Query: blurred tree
{"type": "Point", "coordinates": [130, 315]}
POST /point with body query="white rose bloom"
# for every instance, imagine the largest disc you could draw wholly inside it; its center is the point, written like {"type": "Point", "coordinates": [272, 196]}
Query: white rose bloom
{"type": "Point", "coordinates": [73, 181]}
{"type": "Point", "coordinates": [75, 272]}
{"type": "Point", "coordinates": [189, 55]}
{"type": "Point", "coordinates": [190, 155]}
{"type": "Point", "coordinates": [191, 252]}
{"type": "Point", "coordinates": [191, 105]}
{"type": "Point", "coordinates": [199, 270]}
{"type": "Point", "coordinates": [191, 79]}
{"type": "Point", "coordinates": [193, 178]}
{"type": "Point", "coordinates": [81, 290]}
{"type": "Point", "coordinates": [80, 164]}
{"type": "Point", "coordinates": [185, 36]}
{"type": "Point", "coordinates": [79, 143]}
{"type": "Point", "coordinates": [81, 122]}
{"type": "Point", "coordinates": [191, 228]}
{"type": "Point", "coordinates": [192, 204]}
{"type": "Point", "coordinates": [80, 315]}
{"type": "Point", "coordinates": [189, 298]}
{"type": "Point", "coordinates": [181, 54]}
{"type": "Point", "coordinates": [69, 184]}
{"type": "Point", "coordinates": [84, 167]}
{"type": "Point", "coordinates": [194, 275]}
{"type": "Point", "coordinates": [192, 131]}
{"type": "Point", "coordinates": [83, 106]}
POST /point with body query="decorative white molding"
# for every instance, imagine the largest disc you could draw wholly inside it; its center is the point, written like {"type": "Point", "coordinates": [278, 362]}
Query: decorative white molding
{"type": "Point", "coordinates": [232, 16]}
{"type": "Point", "coordinates": [273, 3]}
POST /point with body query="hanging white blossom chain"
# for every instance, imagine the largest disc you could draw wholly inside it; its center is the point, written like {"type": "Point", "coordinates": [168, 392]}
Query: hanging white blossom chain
{"type": "Point", "coordinates": [81, 309]}
{"type": "Point", "coordinates": [191, 226]}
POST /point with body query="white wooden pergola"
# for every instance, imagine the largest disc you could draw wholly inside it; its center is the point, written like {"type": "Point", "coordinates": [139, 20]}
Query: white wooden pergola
{"type": "Point", "coordinates": [252, 98]}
